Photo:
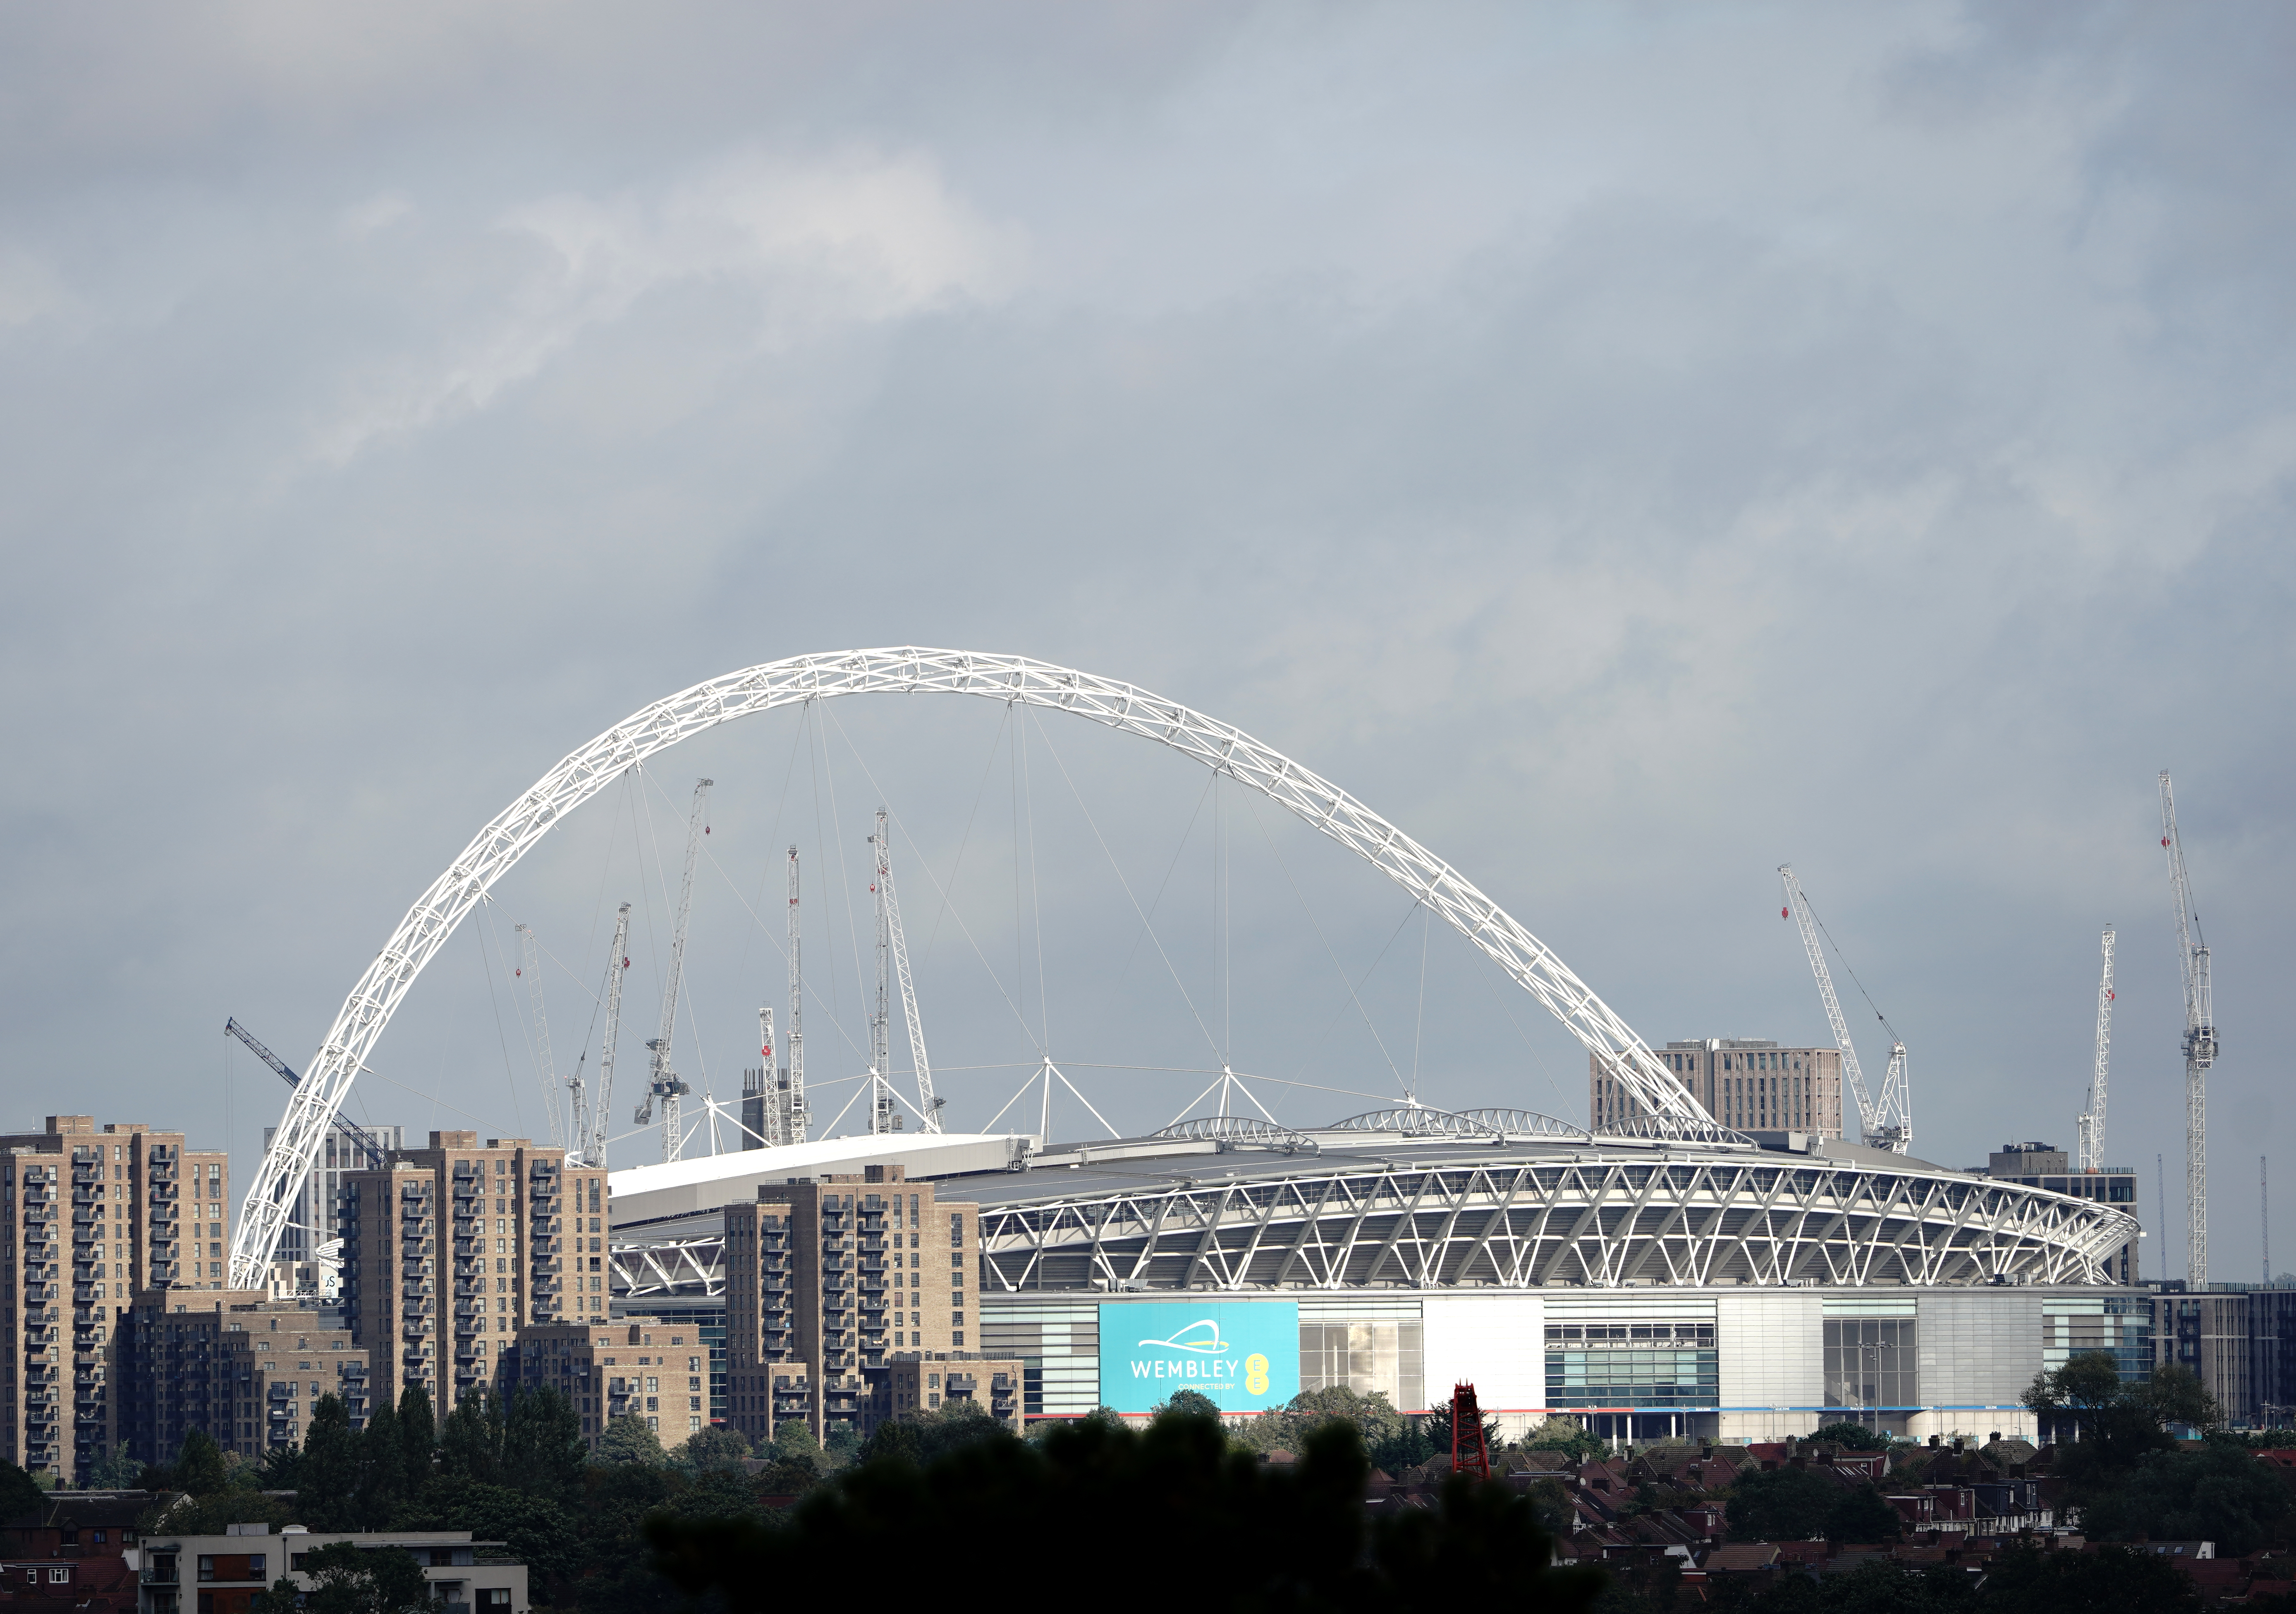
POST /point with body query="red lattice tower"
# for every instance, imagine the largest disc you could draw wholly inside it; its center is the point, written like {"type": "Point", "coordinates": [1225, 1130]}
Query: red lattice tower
{"type": "Point", "coordinates": [1469, 1454]}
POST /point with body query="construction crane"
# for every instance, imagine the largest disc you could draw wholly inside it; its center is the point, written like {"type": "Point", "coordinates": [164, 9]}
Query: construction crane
{"type": "Point", "coordinates": [2199, 1043]}
{"type": "Point", "coordinates": [530, 965]}
{"type": "Point", "coordinates": [589, 1115]}
{"type": "Point", "coordinates": [377, 1156]}
{"type": "Point", "coordinates": [928, 1105]}
{"type": "Point", "coordinates": [796, 1041]}
{"type": "Point", "coordinates": [2091, 1126]}
{"type": "Point", "coordinates": [661, 1081]}
{"type": "Point", "coordinates": [1888, 1124]}
{"type": "Point", "coordinates": [771, 1131]}
{"type": "Point", "coordinates": [1471, 1451]}
{"type": "Point", "coordinates": [884, 1116]}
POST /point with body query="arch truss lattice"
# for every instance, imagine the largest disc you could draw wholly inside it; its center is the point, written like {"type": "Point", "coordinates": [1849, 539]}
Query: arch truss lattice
{"type": "Point", "coordinates": [1672, 1111]}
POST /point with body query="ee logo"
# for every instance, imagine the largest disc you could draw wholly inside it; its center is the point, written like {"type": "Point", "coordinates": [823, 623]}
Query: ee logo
{"type": "Point", "coordinates": [1254, 1373]}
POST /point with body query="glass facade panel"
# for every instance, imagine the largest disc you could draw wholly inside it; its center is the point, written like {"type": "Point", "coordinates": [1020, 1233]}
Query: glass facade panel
{"type": "Point", "coordinates": [1369, 1358]}
{"type": "Point", "coordinates": [1626, 1365]}
{"type": "Point", "coordinates": [2121, 1325]}
{"type": "Point", "coordinates": [1873, 1363]}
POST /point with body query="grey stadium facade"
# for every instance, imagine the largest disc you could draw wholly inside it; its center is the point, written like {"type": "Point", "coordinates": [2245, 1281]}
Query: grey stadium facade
{"type": "Point", "coordinates": [1649, 1287]}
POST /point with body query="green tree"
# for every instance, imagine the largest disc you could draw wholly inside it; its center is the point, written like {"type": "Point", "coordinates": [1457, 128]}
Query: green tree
{"type": "Point", "coordinates": [1565, 1435]}
{"type": "Point", "coordinates": [1781, 1505]}
{"type": "Point", "coordinates": [113, 1470]}
{"type": "Point", "coordinates": [627, 1440]}
{"type": "Point", "coordinates": [2220, 1492]}
{"type": "Point", "coordinates": [19, 1494]}
{"type": "Point", "coordinates": [2024, 1580]}
{"type": "Point", "coordinates": [199, 1465]}
{"type": "Point", "coordinates": [2117, 1423]}
{"type": "Point", "coordinates": [383, 1467]}
{"type": "Point", "coordinates": [1293, 1537]}
{"type": "Point", "coordinates": [1188, 1403]}
{"type": "Point", "coordinates": [713, 1448]}
{"type": "Point", "coordinates": [794, 1442]}
{"type": "Point", "coordinates": [537, 1531]}
{"type": "Point", "coordinates": [543, 1446]}
{"type": "Point", "coordinates": [1854, 1436]}
{"type": "Point", "coordinates": [1862, 1514]}
{"type": "Point", "coordinates": [470, 1439]}
{"type": "Point", "coordinates": [327, 1485]}
{"type": "Point", "coordinates": [348, 1579]}
{"type": "Point", "coordinates": [2176, 1395]}
{"type": "Point", "coordinates": [931, 1435]}
{"type": "Point", "coordinates": [418, 1436]}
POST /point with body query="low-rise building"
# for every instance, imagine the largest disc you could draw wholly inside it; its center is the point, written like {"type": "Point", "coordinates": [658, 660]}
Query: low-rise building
{"type": "Point", "coordinates": [243, 1368]}
{"type": "Point", "coordinates": [640, 1367]}
{"type": "Point", "coordinates": [923, 1382]}
{"type": "Point", "coordinates": [223, 1573]}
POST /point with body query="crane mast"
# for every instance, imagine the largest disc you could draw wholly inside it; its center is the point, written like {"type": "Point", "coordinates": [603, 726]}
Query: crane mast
{"type": "Point", "coordinates": [2092, 1120]}
{"type": "Point", "coordinates": [1888, 1124]}
{"type": "Point", "coordinates": [883, 1115]}
{"type": "Point", "coordinates": [590, 1115]}
{"type": "Point", "coordinates": [796, 1043]}
{"type": "Point", "coordinates": [368, 1143]}
{"type": "Point", "coordinates": [771, 1133]}
{"type": "Point", "coordinates": [2200, 1042]}
{"type": "Point", "coordinates": [530, 964]}
{"type": "Point", "coordinates": [662, 1082]}
{"type": "Point", "coordinates": [928, 1104]}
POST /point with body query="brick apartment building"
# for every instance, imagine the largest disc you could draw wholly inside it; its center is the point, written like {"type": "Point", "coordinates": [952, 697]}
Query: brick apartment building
{"type": "Point", "coordinates": [1744, 1082]}
{"type": "Point", "coordinates": [653, 1368]}
{"type": "Point", "coordinates": [452, 1249]}
{"type": "Point", "coordinates": [90, 1218]}
{"type": "Point", "coordinates": [245, 1369]}
{"type": "Point", "coordinates": [828, 1282]}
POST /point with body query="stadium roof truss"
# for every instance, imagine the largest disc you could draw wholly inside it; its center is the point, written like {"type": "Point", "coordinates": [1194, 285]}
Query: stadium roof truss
{"type": "Point", "coordinates": [1601, 1222]}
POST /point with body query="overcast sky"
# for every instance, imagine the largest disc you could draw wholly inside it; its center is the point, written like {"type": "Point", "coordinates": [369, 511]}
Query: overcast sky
{"type": "Point", "coordinates": [1630, 446]}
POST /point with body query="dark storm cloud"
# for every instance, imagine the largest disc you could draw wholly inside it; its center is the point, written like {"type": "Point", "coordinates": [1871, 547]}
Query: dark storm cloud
{"type": "Point", "coordinates": [1630, 447]}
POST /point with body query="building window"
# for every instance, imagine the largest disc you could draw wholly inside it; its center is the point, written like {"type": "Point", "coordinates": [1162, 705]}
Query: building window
{"type": "Point", "coordinates": [1871, 1366]}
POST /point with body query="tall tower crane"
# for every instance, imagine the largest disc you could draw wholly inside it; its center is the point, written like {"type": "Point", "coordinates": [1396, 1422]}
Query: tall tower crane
{"type": "Point", "coordinates": [2092, 1118]}
{"type": "Point", "coordinates": [662, 1082]}
{"type": "Point", "coordinates": [589, 1115]}
{"type": "Point", "coordinates": [368, 1144]}
{"type": "Point", "coordinates": [795, 1045]}
{"type": "Point", "coordinates": [2199, 1043]}
{"type": "Point", "coordinates": [530, 965]}
{"type": "Point", "coordinates": [883, 1115]}
{"type": "Point", "coordinates": [928, 1105]}
{"type": "Point", "coordinates": [1889, 1123]}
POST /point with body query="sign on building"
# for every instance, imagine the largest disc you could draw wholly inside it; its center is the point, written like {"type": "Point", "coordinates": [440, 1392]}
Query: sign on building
{"type": "Point", "coordinates": [1242, 1354]}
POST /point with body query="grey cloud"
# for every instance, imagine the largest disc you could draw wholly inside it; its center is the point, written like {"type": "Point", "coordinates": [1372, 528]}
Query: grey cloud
{"type": "Point", "coordinates": [1631, 448]}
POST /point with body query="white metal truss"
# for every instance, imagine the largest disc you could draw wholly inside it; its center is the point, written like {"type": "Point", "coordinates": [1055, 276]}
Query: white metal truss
{"type": "Point", "coordinates": [797, 1119]}
{"type": "Point", "coordinates": [591, 1114]}
{"type": "Point", "coordinates": [927, 1106]}
{"type": "Point", "coordinates": [662, 1082]}
{"type": "Point", "coordinates": [530, 965]}
{"type": "Point", "coordinates": [2091, 1127]}
{"type": "Point", "coordinates": [1589, 1221]}
{"type": "Point", "coordinates": [1583, 1220]}
{"type": "Point", "coordinates": [882, 1116]}
{"type": "Point", "coordinates": [2200, 1042]}
{"type": "Point", "coordinates": [772, 1111]}
{"type": "Point", "coordinates": [796, 680]}
{"type": "Point", "coordinates": [1889, 1123]}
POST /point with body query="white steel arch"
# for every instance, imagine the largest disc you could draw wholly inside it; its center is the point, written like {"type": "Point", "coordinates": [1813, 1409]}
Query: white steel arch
{"type": "Point", "coordinates": [796, 680]}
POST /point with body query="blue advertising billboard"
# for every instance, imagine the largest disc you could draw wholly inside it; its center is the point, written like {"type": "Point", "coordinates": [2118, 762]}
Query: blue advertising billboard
{"type": "Point", "coordinates": [1243, 1354]}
